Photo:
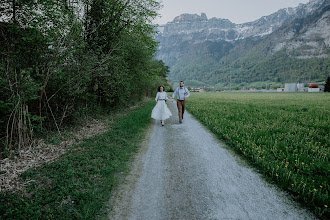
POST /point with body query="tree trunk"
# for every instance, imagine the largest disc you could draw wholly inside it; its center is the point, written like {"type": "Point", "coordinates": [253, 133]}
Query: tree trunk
{"type": "Point", "coordinates": [14, 11]}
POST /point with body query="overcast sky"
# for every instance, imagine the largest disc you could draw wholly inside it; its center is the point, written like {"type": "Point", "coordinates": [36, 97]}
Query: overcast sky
{"type": "Point", "coordinates": [237, 11]}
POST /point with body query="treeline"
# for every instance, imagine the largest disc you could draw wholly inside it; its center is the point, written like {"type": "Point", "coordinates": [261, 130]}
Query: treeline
{"type": "Point", "coordinates": [280, 67]}
{"type": "Point", "coordinates": [62, 59]}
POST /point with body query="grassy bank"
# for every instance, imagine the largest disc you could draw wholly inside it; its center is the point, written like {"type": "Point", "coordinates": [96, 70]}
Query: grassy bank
{"type": "Point", "coordinates": [286, 136]}
{"type": "Point", "coordinates": [78, 185]}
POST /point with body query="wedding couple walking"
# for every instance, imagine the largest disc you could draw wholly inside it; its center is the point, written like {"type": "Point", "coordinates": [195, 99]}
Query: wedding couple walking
{"type": "Point", "coordinates": [161, 111]}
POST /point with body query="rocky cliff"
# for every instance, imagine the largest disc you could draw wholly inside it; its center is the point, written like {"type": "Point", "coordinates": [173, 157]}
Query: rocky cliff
{"type": "Point", "coordinates": [307, 37]}
{"type": "Point", "coordinates": [192, 28]}
{"type": "Point", "coordinates": [191, 41]}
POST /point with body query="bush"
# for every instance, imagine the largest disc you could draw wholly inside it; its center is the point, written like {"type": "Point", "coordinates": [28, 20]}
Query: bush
{"type": "Point", "coordinates": [327, 85]}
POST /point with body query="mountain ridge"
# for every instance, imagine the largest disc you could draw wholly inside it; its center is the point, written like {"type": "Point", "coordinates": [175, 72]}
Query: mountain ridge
{"type": "Point", "coordinates": [300, 31]}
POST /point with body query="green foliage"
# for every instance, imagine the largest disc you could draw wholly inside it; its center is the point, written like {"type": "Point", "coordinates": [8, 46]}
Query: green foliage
{"type": "Point", "coordinates": [327, 85]}
{"type": "Point", "coordinates": [246, 61]}
{"type": "Point", "coordinates": [60, 63]}
{"type": "Point", "coordinates": [194, 83]}
{"type": "Point", "coordinates": [286, 136]}
{"type": "Point", "coordinates": [79, 185]}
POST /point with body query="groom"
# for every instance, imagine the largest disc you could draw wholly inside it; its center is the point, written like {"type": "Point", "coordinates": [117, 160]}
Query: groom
{"type": "Point", "coordinates": [182, 93]}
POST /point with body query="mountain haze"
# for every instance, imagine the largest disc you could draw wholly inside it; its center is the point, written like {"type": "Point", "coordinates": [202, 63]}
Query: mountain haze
{"type": "Point", "coordinates": [290, 45]}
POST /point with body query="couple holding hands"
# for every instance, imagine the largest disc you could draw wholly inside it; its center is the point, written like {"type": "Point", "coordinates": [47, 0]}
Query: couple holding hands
{"type": "Point", "coordinates": [161, 111]}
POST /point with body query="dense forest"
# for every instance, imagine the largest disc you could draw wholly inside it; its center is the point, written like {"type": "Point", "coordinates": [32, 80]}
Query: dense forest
{"type": "Point", "coordinates": [60, 60]}
{"type": "Point", "coordinates": [244, 65]}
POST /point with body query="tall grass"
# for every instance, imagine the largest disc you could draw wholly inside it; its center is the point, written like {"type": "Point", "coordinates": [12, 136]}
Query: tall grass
{"type": "Point", "coordinates": [79, 184]}
{"type": "Point", "coordinates": [286, 136]}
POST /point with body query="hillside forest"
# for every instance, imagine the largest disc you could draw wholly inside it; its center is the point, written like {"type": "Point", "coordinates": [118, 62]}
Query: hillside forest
{"type": "Point", "coordinates": [244, 65]}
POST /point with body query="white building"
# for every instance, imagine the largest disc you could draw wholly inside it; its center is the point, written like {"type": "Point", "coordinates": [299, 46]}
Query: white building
{"type": "Point", "coordinates": [315, 87]}
{"type": "Point", "coordinates": [313, 90]}
{"type": "Point", "coordinates": [290, 87]}
{"type": "Point", "coordinates": [293, 87]}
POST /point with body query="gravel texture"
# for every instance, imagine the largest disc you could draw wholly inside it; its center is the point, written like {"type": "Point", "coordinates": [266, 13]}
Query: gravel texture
{"type": "Point", "coordinates": [184, 172]}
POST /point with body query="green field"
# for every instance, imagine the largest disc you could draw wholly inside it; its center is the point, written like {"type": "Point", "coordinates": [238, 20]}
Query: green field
{"type": "Point", "coordinates": [285, 135]}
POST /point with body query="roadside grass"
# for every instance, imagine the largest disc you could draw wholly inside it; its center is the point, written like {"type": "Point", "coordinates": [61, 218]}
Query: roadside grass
{"type": "Point", "coordinates": [79, 184]}
{"type": "Point", "coordinates": [285, 135]}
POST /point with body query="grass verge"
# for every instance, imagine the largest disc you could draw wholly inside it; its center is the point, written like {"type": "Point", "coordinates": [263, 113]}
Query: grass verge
{"type": "Point", "coordinates": [79, 184]}
{"type": "Point", "coordinates": [286, 136]}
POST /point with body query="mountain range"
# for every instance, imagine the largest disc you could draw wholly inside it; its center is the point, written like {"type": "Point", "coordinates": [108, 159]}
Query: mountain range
{"type": "Point", "coordinates": [290, 45]}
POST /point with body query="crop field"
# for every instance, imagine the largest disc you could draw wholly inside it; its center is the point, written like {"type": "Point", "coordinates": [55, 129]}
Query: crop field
{"type": "Point", "coordinates": [285, 135]}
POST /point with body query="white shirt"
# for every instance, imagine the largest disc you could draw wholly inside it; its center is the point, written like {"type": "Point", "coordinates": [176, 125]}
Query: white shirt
{"type": "Point", "coordinates": [161, 95]}
{"type": "Point", "coordinates": [181, 92]}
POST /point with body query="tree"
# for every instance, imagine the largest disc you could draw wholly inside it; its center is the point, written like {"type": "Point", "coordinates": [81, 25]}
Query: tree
{"type": "Point", "coordinates": [64, 58]}
{"type": "Point", "coordinates": [30, 38]}
{"type": "Point", "coordinates": [327, 85]}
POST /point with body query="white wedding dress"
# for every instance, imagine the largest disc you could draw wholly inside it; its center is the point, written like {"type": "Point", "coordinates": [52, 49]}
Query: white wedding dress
{"type": "Point", "coordinates": [161, 111]}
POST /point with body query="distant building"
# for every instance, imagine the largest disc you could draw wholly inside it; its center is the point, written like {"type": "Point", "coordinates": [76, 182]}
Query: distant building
{"type": "Point", "coordinates": [300, 86]}
{"type": "Point", "coordinates": [290, 87]}
{"type": "Point", "coordinates": [304, 89]}
{"type": "Point", "coordinates": [315, 87]}
{"type": "Point", "coordinates": [293, 87]}
{"type": "Point", "coordinates": [197, 90]}
{"type": "Point", "coordinates": [313, 90]}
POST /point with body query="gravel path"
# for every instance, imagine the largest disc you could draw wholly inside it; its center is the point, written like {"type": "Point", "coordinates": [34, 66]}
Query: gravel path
{"type": "Point", "coordinates": [183, 172]}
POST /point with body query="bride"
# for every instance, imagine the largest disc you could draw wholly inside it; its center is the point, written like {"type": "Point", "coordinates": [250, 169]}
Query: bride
{"type": "Point", "coordinates": [161, 111]}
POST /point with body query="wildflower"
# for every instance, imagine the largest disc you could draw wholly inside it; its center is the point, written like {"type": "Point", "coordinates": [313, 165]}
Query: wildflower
{"type": "Point", "coordinates": [314, 190]}
{"type": "Point", "coordinates": [326, 206]}
{"type": "Point", "coordinates": [321, 186]}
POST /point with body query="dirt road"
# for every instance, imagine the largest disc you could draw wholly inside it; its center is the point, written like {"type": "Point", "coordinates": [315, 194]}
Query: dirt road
{"type": "Point", "coordinates": [183, 172]}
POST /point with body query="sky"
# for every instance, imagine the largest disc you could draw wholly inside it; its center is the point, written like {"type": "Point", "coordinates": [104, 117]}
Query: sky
{"type": "Point", "coordinates": [237, 11]}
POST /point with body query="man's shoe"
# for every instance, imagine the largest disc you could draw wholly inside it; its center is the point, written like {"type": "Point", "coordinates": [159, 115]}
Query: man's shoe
{"type": "Point", "coordinates": [180, 121]}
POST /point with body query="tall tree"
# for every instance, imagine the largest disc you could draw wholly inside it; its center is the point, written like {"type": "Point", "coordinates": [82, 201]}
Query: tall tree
{"type": "Point", "coordinates": [327, 85]}
{"type": "Point", "coordinates": [61, 58]}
